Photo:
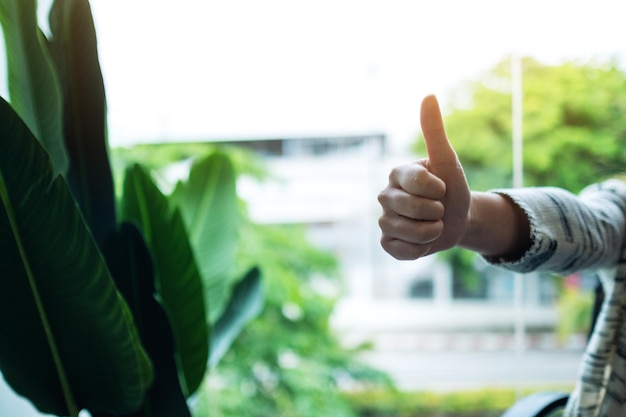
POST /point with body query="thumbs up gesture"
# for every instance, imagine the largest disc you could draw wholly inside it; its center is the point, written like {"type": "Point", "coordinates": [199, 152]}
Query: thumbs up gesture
{"type": "Point", "coordinates": [426, 203]}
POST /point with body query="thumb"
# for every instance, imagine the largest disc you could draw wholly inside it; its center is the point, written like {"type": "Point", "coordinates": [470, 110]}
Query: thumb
{"type": "Point", "coordinates": [444, 163]}
{"type": "Point", "coordinates": [438, 147]}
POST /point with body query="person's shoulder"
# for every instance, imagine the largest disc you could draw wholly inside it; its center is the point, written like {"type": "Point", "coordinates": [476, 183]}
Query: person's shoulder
{"type": "Point", "coordinates": [613, 187]}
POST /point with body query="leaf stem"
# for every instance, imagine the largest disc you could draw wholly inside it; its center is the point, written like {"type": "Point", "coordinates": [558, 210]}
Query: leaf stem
{"type": "Point", "coordinates": [67, 392]}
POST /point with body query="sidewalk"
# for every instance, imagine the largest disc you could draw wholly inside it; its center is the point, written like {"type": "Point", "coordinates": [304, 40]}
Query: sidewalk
{"type": "Point", "coordinates": [462, 346]}
{"type": "Point", "coordinates": [455, 370]}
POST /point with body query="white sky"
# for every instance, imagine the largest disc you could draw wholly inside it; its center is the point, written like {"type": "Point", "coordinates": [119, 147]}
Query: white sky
{"type": "Point", "coordinates": [196, 69]}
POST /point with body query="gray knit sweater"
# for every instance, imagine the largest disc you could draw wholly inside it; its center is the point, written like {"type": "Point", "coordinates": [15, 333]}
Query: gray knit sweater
{"type": "Point", "coordinates": [588, 232]}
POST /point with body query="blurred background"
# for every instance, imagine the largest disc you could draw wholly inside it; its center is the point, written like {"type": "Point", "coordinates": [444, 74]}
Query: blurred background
{"type": "Point", "coordinates": [316, 102]}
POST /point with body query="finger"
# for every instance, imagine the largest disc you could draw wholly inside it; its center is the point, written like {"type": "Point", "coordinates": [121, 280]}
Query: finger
{"type": "Point", "coordinates": [412, 231]}
{"type": "Point", "coordinates": [438, 147]}
{"type": "Point", "coordinates": [404, 251]}
{"type": "Point", "coordinates": [410, 206]}
{"type": "Point", "coordinates": [417, 180]}
{"type": "Point", "coordinates": [444, 163]}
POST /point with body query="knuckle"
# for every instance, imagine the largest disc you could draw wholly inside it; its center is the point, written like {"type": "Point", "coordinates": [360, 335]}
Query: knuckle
{"type": "Point", "coordinates": [383, 196]}
{"type": "Point", "coordinates": [382, 224]}
{"type": "Point", "coordinates": [395, 173]}
{"type": "Point", "coordinates": [421, 175]}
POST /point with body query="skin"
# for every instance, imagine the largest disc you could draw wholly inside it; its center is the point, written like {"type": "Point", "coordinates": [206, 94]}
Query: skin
{"type": "Point", "coordinates": [428, 206]}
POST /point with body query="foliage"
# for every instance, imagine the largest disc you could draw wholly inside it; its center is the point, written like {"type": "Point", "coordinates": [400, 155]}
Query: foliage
{"type": "Point", "coordinates": [574, 308]}
{"type": "Point", "coordinates": [573, 117]}
{"type": "Point", "coordinates": [53, 275]}
{"type": "Point", "coordinates": [161, 158]}
{"type": "Point", "coordinates": [302, 371]}
{"type": "Point", "coordinates": [488, 402]}
{"type": "Point", "coordinates": [114, 311]}
{"type": "Point", "coordinates": [287, 361]}
{"type": "Point", "coordinates": [467, 281]}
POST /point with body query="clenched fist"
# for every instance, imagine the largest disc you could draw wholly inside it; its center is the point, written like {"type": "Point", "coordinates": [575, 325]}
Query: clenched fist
{"type": "Point", "coordinates": [426, 203]}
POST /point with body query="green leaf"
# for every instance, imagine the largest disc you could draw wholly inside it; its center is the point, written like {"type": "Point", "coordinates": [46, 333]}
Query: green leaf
{"type": "Point", "coordinates": [68, 339]}
{"type": "Point", "coordinates": [130, 262]}
{"type": "Point", "coordinates": [178, 280]}
{"type": "Point", "coordinates": [74, 49]}
{"type": "Point", "coordinates": [208, 204]}
{"type": "Point", "coordinates": [245, 303]}
{"type": "Point", "coordinates": [33, 83]}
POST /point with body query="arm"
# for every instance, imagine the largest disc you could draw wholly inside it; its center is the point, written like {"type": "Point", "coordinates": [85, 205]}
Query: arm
{"type": "Point", "coordinates": [428, 207]}
{"type": "Point", "coordinates": [571, 232]}
{"type": "Point", "coordinates": [497, 227]}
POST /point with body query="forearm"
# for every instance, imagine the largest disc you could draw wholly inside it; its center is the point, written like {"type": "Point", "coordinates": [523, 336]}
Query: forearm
{"type": "Point", "coordinates": [497, 227]}
{"type": "Point", "coordinates": [559, 231]}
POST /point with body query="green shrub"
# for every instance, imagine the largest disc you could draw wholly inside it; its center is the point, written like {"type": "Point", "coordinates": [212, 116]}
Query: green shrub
{"type": "Point", "coordinates": [488, 402]}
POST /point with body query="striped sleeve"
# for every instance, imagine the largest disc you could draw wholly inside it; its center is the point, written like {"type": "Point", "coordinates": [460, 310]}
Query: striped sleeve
{"type": "Point", "coordinates": [570, 232]}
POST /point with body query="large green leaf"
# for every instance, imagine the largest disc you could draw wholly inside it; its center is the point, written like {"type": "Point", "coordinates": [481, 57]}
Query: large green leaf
{"type": "Point", "coordinates": [68, 339]}
{"type": "Point", "coordinates": [130, 262]}
{"type": "Point", "coordinates": [33, 85]}
{"type": "Point", "coordinates": [245, 303]}
{"type": "Point", "coordinates": [178, 280]}
{"type": "Point", "coordinates": [74, 48]}
{"type": "Point", "coordinates": [208, 203]}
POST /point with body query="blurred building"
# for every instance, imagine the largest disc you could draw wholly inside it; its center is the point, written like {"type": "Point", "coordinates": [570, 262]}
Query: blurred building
{"type": "Point", "coordinates": [330, 184]}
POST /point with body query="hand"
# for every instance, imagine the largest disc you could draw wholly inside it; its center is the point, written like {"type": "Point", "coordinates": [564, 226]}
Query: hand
{"type": "Point", "coordinates": [426, 203]}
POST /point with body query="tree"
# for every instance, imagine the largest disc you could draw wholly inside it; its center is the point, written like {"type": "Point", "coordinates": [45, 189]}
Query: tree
{"type": "Point", "coordinates": [573, 124]}
{"type": "Point", "coordinates": [573, 130]}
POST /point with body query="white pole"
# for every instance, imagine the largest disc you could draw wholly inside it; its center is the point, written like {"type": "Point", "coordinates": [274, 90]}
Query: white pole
{"type": "Point", "coordinates": [518, 181]}
{"type": "Point", "coordinates": [517, 115]}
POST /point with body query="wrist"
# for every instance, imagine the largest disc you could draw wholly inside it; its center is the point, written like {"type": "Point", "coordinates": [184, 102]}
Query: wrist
{"type": "Point", "coordinates": [476, 231]}
{"type": "Point", "coordinates": [497, 227]}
